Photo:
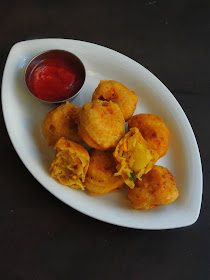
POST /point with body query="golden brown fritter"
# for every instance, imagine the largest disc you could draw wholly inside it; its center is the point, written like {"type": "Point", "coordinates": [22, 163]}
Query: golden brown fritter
{"type": "Point", "coordinates": [157, 187]}
{"type": "Point", "coordinates": [134, 157]}
{"type": "Point", "coordinates": [70, 164]}
{"type": "Point", "coordinates": [100, 177]}
{"type": "Point", "coordinates": [61, 122]}
{"type": "Point", "coordinates": [154, 131]}
{"type": "Point", "coordinates": [101, 124]}
{"type": "Point", "coordinates": [118, 93]}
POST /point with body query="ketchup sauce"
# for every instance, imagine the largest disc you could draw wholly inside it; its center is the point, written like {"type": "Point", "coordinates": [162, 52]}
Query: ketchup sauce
{"type": "Point", "coordinates": [56, 76]}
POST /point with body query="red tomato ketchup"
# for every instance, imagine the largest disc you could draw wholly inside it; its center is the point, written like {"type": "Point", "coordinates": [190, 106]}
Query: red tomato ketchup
{"type": "Point", "coordinates": [56, 77]}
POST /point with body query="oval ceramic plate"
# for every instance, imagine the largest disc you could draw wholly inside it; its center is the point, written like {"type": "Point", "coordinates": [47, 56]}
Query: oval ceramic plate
{"type": "Point", "coordinates": [23, 115]}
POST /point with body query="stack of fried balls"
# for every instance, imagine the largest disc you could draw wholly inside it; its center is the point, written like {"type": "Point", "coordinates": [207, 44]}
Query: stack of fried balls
{"type": "Point", "coordinates": [115, 159]}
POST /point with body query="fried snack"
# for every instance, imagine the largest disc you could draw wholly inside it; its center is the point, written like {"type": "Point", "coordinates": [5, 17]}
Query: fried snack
{"type": "Point", "coordinates": [70, 164]}
{"type": "Point", "coordinates": [154, 131]}
{"type": "Point", "coordinates": [134, 157]}
{"type": "Point", "coordinates": [61, 122]}
{"type": "Point", "coordinates": [100, 177]}
{"type": "Point", "coordinates": [101, 124]}
{"type": "Point", "coordinates": [118, 93]}
{"type": "Point", "coordinates": [157, 187]}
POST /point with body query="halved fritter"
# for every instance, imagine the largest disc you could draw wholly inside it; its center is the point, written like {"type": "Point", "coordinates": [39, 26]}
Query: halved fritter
{"type": "Point", "coordinates": [134, 157]}
{"type": "Point", "coordinates": [70, 164]}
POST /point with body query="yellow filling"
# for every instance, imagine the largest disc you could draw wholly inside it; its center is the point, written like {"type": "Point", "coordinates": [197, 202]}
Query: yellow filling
{"type": "Point", "coordinates": [134, 157]}
{"type": "Point", "coordinates": [68, 170]}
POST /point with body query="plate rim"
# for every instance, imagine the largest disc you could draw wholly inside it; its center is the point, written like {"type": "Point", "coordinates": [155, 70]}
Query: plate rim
{"type": "Point", "coordinates": [192, 221]}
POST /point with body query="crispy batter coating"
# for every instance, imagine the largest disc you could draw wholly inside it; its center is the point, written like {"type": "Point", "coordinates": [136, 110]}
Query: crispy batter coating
{"type": "Point", "coordinates": [101, 124]}
{"type": "Point", "coordinates": [100, 177]}
{"type": "Point", "coordinates": [157, 187]}
{"type": "Point", "coordinates": [154, 131]}
{"type": "Point", "coordinates": [61, 122]}
{"type": "Point", "coordinates": [70, 164]}
{"type": "Point", "coordinates": [118, 93]}
{"type": "Point", "coordinates": [134, 157]}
